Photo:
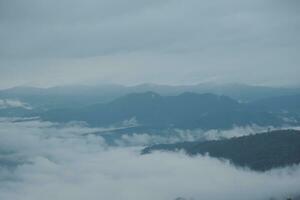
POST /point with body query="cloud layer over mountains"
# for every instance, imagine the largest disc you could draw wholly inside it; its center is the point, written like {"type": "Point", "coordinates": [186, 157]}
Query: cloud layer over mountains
{"type": "Point", "coordinates": [42, 160]}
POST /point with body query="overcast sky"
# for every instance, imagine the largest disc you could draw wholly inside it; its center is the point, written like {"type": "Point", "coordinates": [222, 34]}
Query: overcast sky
{"type": "Point", "coordinates": [55, 42]}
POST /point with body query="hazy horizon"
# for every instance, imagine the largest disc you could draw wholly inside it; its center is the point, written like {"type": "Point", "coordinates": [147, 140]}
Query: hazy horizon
{"type": "Point", "coordinates": [149, 84]}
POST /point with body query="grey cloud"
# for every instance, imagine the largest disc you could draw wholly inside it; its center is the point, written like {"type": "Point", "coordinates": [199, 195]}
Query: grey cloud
{"type": "Point", "coordinates": [72, 28]}
{"type": "Point", "coordinates": [195, 40]}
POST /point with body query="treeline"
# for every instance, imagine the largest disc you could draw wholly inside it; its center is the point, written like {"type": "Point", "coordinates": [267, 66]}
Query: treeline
{"type": "Point", "coordinates": [259, 152]}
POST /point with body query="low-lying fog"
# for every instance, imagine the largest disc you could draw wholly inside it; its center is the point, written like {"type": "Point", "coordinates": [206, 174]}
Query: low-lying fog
{"type": "Point", "coordinates": [46, 161]}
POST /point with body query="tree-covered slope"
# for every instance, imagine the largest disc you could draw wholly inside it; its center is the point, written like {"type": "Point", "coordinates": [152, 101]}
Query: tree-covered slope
{"type": "Point", "coordinates": [186, 111]}
{"type": "Point", "coordinates": [260, 152]}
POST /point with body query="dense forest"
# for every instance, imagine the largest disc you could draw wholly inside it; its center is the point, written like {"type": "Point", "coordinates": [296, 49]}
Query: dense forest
{"type": "Point", "coordinates": [259, 152]}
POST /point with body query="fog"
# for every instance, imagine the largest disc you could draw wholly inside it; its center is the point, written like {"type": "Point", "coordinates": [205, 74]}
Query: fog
{"type": "Point", "coordinates": [43, 160]}
{"type": "Point", "coordinates": [190, 135]}
{"type": "Point", "coordinates": [12, 103]}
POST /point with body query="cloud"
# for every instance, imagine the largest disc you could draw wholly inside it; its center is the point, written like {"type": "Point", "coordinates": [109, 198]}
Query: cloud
{"type": "Point", "coordinates": [65, 163]}
{"type": "Point", "coordinates": [179, 135]}
{"type": "Point", "coordinates": [10, 103]}
{"type": "Point", "coordinates": [67, 41]}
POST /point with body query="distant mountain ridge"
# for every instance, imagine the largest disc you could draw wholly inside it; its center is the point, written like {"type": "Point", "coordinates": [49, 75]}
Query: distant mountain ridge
{"type": "Point", "coordinates": [279, 103]}
{"type": "Point", "coordinates": [186, 107]}
{"type": "Point", "coordinates": [86, 95]}
{"type": "Point", "coordinates": [259, 152]}
{"type": "Point", "coordinates": [186, 111]}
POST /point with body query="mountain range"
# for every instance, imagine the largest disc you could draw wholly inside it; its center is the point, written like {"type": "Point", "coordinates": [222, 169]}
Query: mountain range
{"type": "Point", "coordinates": [151, 110]}
{"type": "Point", "coordinates": [79, 95]}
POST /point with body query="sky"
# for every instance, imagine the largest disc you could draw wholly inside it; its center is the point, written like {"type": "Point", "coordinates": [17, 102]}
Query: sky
{"type": "Point", "coordinates": [46, 43]}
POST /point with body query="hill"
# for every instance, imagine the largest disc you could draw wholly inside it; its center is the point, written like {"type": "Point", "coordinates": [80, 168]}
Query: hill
{"type": "Point", "coordinates": [186, 111]}
{"type": "Point", "coordinates": [259, 152]}
{"type": "Point", "coordinates": [81, 95]}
